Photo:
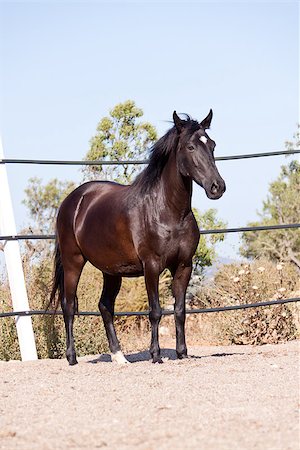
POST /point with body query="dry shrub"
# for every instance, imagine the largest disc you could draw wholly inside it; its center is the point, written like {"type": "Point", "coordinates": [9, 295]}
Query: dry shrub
{"type": "Point", "coordinates": [9, 348]}
{"type": "Point", "coordinates": [249, 283]}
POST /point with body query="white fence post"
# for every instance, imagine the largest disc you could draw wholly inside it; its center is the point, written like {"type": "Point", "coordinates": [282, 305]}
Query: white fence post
{"type": "Point", "coordinates": [15, 269]}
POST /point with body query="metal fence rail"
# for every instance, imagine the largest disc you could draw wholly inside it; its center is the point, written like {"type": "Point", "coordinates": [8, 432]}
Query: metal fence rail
{"type": "Point", "coordinates": [20, 237]}
{"type": "Point", "coordinates": [165, 312]}
{"type": "Point", "coordinates": [136, 162]}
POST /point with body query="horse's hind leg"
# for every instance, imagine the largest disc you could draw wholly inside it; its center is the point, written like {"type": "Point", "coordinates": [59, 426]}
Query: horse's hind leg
{"type": "Point", "coordinates": [111, 288]}
{"type": "Point", "coordinates": [72, 272]}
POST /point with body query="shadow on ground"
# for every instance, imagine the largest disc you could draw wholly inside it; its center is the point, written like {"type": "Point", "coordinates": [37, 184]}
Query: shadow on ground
{"type": "Point", "coordinates": [166, 353]}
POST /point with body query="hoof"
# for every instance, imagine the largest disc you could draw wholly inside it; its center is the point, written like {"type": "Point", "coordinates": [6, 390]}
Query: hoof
{"type": "Point", "coordinates": [182, 355]}
{"type": "Point", "coordinates": [72, 361]}
{"type": "Point", "coordinates": [119, 358]}
{"type": "Point", "coordinates": [157, 359]}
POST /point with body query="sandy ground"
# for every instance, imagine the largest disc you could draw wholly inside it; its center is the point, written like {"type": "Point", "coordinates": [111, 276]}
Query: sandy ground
{"type": "Point", "coordinates": [236, 397]}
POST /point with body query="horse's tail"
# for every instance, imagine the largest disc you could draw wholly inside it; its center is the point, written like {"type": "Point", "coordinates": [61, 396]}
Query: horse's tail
{"type": "Point", "coordinates": [58, 279]}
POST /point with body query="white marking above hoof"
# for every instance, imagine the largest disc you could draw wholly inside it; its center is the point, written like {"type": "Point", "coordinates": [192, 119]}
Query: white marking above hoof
{"type": "Point", "coordinates": [119, 358]}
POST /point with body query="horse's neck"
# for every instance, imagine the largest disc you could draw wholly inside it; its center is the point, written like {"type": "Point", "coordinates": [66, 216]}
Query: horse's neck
{"type": "Point", "coordinates": [177, 190]}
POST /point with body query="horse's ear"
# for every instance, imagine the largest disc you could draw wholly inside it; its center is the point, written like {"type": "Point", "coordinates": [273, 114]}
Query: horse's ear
{"type": "Point", "coordinates": [207, 121]}
{"type": "Point", "coordinates": [179, 124]}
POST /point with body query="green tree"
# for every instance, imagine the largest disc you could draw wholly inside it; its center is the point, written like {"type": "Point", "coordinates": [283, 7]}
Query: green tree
{"type": "Point", "coordinates": [120, 136]}
{"type": "Point", "coordinates": [281, 207]}
{"type": "Point", "coordinates": [42, 202]}
{"type": "Point", "coordinates": [295, 143]}
{"type": "Point", "coordinates": [206, 251]}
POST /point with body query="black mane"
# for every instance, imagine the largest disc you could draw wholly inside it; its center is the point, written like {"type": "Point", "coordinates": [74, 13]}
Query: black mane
{"type": "Point", "coordinates": [159, 155]}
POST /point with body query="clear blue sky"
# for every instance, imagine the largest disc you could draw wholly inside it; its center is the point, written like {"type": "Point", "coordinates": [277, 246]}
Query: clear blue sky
{"type": "Point", "coordinates": [65, 64]}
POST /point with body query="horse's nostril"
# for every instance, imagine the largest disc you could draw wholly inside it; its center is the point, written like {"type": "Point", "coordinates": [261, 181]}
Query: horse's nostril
{"type": "Point", "coordinates": [214, 187]}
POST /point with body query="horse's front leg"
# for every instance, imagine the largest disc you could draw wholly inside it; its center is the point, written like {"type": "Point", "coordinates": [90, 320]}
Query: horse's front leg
{"type": "Point", "coordinates": [151, 272]}
{"type": "Point", "coordinates": [181, 279]}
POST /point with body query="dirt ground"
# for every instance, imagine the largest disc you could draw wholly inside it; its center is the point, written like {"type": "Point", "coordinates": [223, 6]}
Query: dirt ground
{"type": "Point", "coordinates": [236, 397]}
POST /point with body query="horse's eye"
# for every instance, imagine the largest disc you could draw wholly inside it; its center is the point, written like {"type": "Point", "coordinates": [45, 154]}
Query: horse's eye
{"type": "Point", "coordinates": [190, 147]}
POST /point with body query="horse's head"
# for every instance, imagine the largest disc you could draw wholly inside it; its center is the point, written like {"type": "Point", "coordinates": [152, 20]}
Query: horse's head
{"type": "Point", "coordinates": [196, 155]}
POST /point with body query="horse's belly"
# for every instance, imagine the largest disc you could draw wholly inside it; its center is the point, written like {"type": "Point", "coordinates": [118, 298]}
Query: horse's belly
{"type": "Point", "coordinates": [114, 259]}
{"type": "Point", "coordinates": [125, 270]}
{"type": "Point", "coordinates": [117, 266]}
{"type": "Point", "coordinates": [112, 255]}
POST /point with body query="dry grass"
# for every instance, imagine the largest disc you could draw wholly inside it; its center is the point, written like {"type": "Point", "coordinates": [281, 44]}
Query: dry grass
{"type": "Point", "coordinates": [233, 284]}
{"type": "Point", "coordinates": [9, 348]}
{"type": "Point", "coordinates": [249, 283]}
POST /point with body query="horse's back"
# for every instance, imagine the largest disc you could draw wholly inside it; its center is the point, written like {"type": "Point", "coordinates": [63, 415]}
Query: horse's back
{"type": "Point", "coordinates": [91, 190]}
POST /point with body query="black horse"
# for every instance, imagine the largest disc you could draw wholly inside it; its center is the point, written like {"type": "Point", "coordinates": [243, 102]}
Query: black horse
{"type": "Point", "coordinates": [135, 230]}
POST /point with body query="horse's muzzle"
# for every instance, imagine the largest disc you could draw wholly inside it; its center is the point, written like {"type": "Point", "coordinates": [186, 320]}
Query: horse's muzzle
{"type": "Point", "coordinates": [216, 189]}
